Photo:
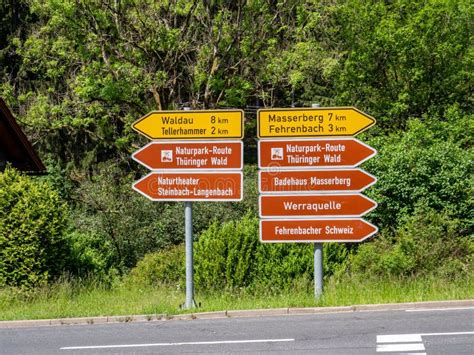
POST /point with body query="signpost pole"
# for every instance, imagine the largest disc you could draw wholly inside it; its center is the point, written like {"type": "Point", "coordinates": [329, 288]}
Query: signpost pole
{"type": "Point", "coordinates": [318, 258]}
{"type": "Point", "coordinates": [318, 270]}
{"type": "Point", "coordinates": [188, 225]}
{"type": "Point", "coordinates": [188, 232]}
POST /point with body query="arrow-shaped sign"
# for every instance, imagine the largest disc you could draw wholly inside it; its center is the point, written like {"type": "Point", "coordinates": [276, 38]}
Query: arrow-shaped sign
{"type": "Point", "coordinates": [312, 122]}
{"type": "Point", "coordinates": [300, 206]}
{"type": "Point", "coordinates": [313, 153]}
{"type": "Point", "coordinates": [202, 155]}
{"type": "Point", "coordinates": [315, 230]}
{"type": "Point", "coordinates": [191, 186]}
{"type": "Point", "coordinates": [310, 181]}
{"type": "Point", "coordinates": [191, 124]}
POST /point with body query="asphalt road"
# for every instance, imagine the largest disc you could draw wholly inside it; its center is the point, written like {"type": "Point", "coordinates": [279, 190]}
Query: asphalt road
{"type": "Point", "coordinates": [436, 331]}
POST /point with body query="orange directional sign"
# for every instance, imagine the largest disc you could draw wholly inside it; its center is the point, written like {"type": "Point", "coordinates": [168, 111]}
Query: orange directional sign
{"type": "Point", "coordinates": [299, 206]}
{"type": "Point", "coordinates": [189, 186]}
{"type": "Point", "coordinates": [315, 230]}
{"type": "Point", "coordinates": [307, 181]}
{"type": "Point", "coordinates": [191, 155]}
{"type": "Point", "coordinates": [304, 153]}
{"type": "Point", "coordinates": [312, 122]}
{"type": "Point", "coordinates": [192, 124]}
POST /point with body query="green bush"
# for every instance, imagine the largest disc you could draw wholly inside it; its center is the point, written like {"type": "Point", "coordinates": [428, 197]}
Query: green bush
{"type": "Point", "coordinates": [32, 224]}
{"type": "Point", "coordinates": [225, 254]}
{"type": "Point", "coordinates": [427, 243]}
{"type": "Point", "coordinates": [424, 194]}
{"type": "Point", "coordinates": [229, 256]}
{"type": "Point", "coordinates": [282, 266]}
{"type": "Point", "coordinates": [432, 162]}
{"type": "Point", "coordinates": [119, 225]}
{"type": "Point", "coordinates": [163, 267]}
{"type": "Point", "coordinates": [90, 256]}
{"type": "Point", "coordinates": [114, 223]}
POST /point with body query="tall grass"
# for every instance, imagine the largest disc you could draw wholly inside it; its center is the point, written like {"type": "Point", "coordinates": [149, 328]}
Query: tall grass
{"type": "Point", "coordinates": [69, 298]}
{"type": "Point", "coordinates": [75, 299]}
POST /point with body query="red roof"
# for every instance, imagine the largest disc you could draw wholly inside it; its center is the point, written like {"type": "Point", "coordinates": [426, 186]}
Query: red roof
{"type": "Point", "coordinates": [15, 147]}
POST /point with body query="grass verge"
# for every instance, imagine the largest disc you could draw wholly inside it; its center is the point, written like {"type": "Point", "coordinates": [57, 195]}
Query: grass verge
{"type": "Point", "coordinates": [70, 299]}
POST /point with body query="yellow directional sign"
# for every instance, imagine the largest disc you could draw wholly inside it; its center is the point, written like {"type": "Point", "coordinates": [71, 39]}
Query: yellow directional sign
{"type": "Point", "coordinates": [312, 122]}
{"type": "Point", "coordinates": [203, 124]}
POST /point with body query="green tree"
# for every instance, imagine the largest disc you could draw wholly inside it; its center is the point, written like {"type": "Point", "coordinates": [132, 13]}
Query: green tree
{"type": "Point", "coordinates": [33, 221]}
{"type": "Point", "coordinates": [404, 58]}
{"type": "Point", "coordinates": [431, 163]}
{"type": "Point", "coordinates": [15, 24]}
{"type": "Point", "coordinates": [89, 69]}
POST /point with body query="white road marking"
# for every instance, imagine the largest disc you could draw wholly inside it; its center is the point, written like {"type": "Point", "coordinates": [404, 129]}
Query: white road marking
{"type": "Point", "coordinates": [400, 347]}
{"type": "Point", "coordinates": [407, 342]}
{"type": "Point", "coordinates": [452, 333]}
{"type": "Point", "coordinates": [438, 309]}
{"type": "Point", "coordinates": [399, 338]}
{"type": "Point", "coordinates": [177, 344]}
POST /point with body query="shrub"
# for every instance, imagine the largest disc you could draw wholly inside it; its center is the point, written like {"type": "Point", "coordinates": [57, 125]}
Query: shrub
{"type": "Point", "coordinates": [225, 254]}
{"type": "Point", "coordinates": [424, 194]}
{"type": "Point", "coordinates": [32, 225]}
{"type": "Point", "coordinates": [116, 224]}
{"type": "Point", "coordinates": [432, 162]}
{"type": "Point", "coordinates": [229, 256]}
{"type": "Point", "coordinates": [163, 267]}
{"type": "Point", "coordinates": [279, 266]}
{"type": "Point", "coordinates": [427, 243]}
{"type": "Point", "coordinates": [108, 212]}
{"type": "Point", "coordinates": [90, 255]}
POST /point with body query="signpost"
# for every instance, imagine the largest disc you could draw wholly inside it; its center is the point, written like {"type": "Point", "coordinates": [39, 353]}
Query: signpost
{"type": "Point", "coordinates": [203, 155]}
{"type": "Point", "coordinates": [308, 184]}
{"type": "Point", "coordinates": [301, 206]}
{"type": "Point", "coordinates": [308, 181]}
{"type": "Point", "coordinates": [204, 124]}
{"type": "Point", "coordinates": [313, 153]}
{"type": "Point", "coordinates": [197, 158]}
{"type": "Point", "coordinates": [191, 186]}
{"type": "Point", "coordinates": [312, 122]}
{"type": "Point", "coordinates": [316, 230]}
{"type": "Point", "coordinates": [302, 176]}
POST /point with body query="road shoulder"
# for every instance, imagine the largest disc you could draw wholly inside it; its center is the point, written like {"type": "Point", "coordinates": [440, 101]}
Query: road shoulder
{"type": "Point", "coordinates": [236, 314]}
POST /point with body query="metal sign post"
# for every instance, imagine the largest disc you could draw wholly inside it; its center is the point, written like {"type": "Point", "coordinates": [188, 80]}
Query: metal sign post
{"type": "Point", "coordinates": [318, 258]}
{"type": "Point", "coordinates": [188, 241]}
{"type": "Point", "coordinates": [188, 227]}
{"type": "Point", "coordinates": [195, 156]}
{"type": "Point", "coordinates": [318, 270]}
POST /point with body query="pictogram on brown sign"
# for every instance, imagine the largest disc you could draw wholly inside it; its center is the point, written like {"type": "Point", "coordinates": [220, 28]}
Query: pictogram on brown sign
{"type": "Point", "coordinates": [209, 155]}
{"type": "Point", "coordinates": [313, 153]}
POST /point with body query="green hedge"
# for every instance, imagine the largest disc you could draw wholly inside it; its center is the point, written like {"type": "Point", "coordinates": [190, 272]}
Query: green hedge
{"type": "Point", "coordinates": [428, 243]}
{"type": "Point", "coordinates": [32, 225]}
{"type": "Point", "coordinates": [433, 163]}
{"type": "Point", "coordinates": [229, 256]}
{"type": "Point", "coordinates": [164, 267]}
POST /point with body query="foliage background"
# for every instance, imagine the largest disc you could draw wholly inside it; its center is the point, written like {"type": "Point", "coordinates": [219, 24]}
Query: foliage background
{"type": "Point", "coordinates": [78, 73]}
